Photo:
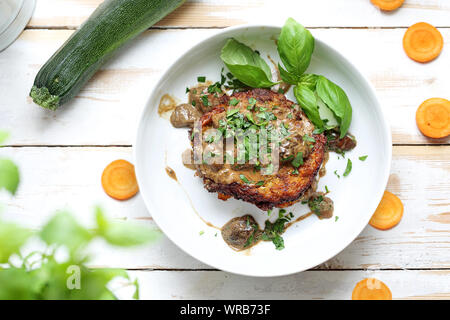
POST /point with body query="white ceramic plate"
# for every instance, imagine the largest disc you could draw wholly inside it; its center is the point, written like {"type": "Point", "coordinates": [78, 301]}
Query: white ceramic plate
{"type": "Point", "coordinates": [307, 243]}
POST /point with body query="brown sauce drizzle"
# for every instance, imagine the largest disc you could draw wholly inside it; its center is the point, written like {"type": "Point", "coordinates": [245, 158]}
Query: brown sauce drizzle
{"type": "Point", "coordinates": [166, 104]}
{"type": "Point", "coordinates": [171, 173]}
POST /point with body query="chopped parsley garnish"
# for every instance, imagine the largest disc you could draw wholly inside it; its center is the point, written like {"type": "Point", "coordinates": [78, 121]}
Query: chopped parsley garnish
{"type": "Point", "coordinates": [201, 79]}
{"type": "Point", "coordinates": [326, 189]}
{"type": "Point", "coordinates": [215, 88]}
{"type": "Point", "coordinates": [336, 219]}
{"type": "Point", "coordinates": [337, 175]}
{"type": "Point", "coordinates": [244, 178]}
{"type": "Point", "coordinates": [288, 158]}
{"type": "Point", "coordinates": [363, 158]}
{"type": "Point", "coordinates": [251, 101]}
{"type": "Point", "coordinates": [187, 90]}
{"type": "Point", "coordinates": [298, 161]}
{"type": "Point", "coordinates": [308, 138]}
{"type": "Point", "coordinates": [205, 100]}
{"type": "Point", "coordinates": [234, 102]}
{"type": "Point", "coordinates": [348, 169]}
{"type": "Point", "coordinates": [232, 112]}
{"type": "Point", "coordinates": [314, 204]}
{"type": "Point", "coordinates": [289, 116]}
{"type": "Point", "coordinates": [210, 138]}
{"type": "Point", "coordinates": [259, 183]}
{"type": "Point", "coordinates": [273, 231]}
{"type": "Point", "coordinates": [193, 103]}
{"type": "Point", "coordinates": [201, 232]}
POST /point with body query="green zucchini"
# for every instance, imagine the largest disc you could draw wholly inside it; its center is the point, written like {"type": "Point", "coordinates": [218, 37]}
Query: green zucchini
{"type": "Point", "coordinates": [110, 26]}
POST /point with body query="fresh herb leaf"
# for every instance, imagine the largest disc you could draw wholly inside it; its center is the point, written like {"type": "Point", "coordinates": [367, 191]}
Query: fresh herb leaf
{"type": "Point", "coordinates": [337, 101]}
{"type": "Point", "coordinates": [308, 138]}
{"type": "Point", "coordinates": [201, 79]}
{"type": "Point", "coordinates": [259, 183]}
{"type": "Point", "coordinates": [232, 112]}
{"type": "Point", "coordinates": [336, 174]}
{"type": "Point", "coordinates": [201, 232]}
{"type": "Point", "coordinates": [246, 65]}
{"type": "Point", "coordinates": [205, 100]}
{"type": "Point", "coordinates": [252, 101]}
{"type": "Point", "coordinates": [63, 229]}
{"type": "Point", "coordinates": [12, 237]}
{"type": "Point", "coordinates": [244, 178]}
{"type": "Point", "coordinates": [298, 161]}
{"type": "Point", "coordinates": [308, 102]}
{"type": "Point", "coordinates": [295, 46]}
{"type": "Point", "coordinates": [234, 102]}
{"type": "Point", "coordinates": [348, 169]}
{"type": "Point", "coordinates": [288, 77]}
{"type": "Point", "coordinates": [363, 158]}
{"type": "Point", "coordinates": [122, 233]}
{"type": "Point", "coordinates": [309, 80]}
{"type": "Point", "coordinates": [9, 175]}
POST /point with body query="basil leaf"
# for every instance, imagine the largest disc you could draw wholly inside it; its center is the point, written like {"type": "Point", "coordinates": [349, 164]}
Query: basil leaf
{"type": "Point", "coordinates": [123, 233]}
{"type": "Point", "coordinates": [9, 175]}
{"type": "Point", "coordinates": [295, 47]}
{"type": "Point", "coordinates": [12, 237]}
{"type": "Point", "coordinates": [308, 101]}
{"type": "Point", "coordinates": [348, 169]}
{"type": "Point", "coordinates": [337, 101]}
{"type": "Point", "coordinates": [246, 65]}
{"type": "Point", "coordinates": [287, 76]}
{"type": "Point", "coordinates": [63, 229]}
{"type": "Point", "coordinates": [309, 80]}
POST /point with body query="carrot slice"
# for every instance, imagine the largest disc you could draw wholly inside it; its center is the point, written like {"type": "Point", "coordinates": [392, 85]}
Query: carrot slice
{"type": "Point", "coordinates": [119, 180]}
{"type": "Point", "coordinates": [389, 212]}
{"type": "Point", "coordinates": [422, 42]}
{"type": "Point", "coordinates": [433, 118]}
{"type": "Point", "coordinates": [371, 289]}
{"type": "Point", "coordinates": [388, 5]}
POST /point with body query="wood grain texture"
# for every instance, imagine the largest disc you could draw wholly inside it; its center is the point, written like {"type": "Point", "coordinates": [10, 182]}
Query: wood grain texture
{"type": "Point", "coordinates": [107, 109]}
{"type": "Point", "coordinates": [317, 285]}
{"type": "Point", "coordinates": [69, 178]}
{"type": "Point", "coordinates": [219, 13]}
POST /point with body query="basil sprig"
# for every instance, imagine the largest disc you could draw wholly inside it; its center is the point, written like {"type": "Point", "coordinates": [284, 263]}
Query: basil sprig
{"type": "Point", "coordinates": [246, 65]}
{"type": "Point", "coordinates": [295, 47]}
{"type": "Point", "coordinates": [308, 101]}
{"type": "Point", "coordinates": [337, 101]}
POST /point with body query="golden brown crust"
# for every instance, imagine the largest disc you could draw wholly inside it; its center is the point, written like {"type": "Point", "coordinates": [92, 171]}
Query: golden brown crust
{"type": "Point", "coordinates": [283, 188]}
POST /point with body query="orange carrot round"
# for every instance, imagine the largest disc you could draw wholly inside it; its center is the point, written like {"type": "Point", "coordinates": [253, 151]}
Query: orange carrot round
{"type": "Point", "coordinates": [388, 5]}
{"type": "Point", "coordinates": [433, 118]}
{"type": "Point", "coordinates": [422, 42]}
{"type": "Point", "coordinates": [119, 180]}
{"type": "Point", "coordinates": [371, 289]}
{"type": "Point", "coordinates": [389, 212]}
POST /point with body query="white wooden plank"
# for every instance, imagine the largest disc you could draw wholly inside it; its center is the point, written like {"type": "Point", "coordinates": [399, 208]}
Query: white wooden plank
{"type": "Point", "coordinates": [106, 111]}
{"type": "Point", "coordinates": [218, 13]}
{"type": "Point", "coordinates": [69, 178]}
{"type": "Point", "coordinates": [315, 285]}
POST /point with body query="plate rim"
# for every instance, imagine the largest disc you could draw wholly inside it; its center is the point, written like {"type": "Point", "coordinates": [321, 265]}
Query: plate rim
{"type": "Point", "coordinates": [363, 222]}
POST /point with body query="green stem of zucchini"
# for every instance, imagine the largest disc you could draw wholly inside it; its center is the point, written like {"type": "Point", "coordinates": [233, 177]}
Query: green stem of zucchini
{"type": "Point", "coordinates": [44, 98]}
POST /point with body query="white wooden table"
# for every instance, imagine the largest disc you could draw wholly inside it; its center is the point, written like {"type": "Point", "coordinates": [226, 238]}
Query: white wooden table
{"type": "Point", "coordinates": [62, 154]}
